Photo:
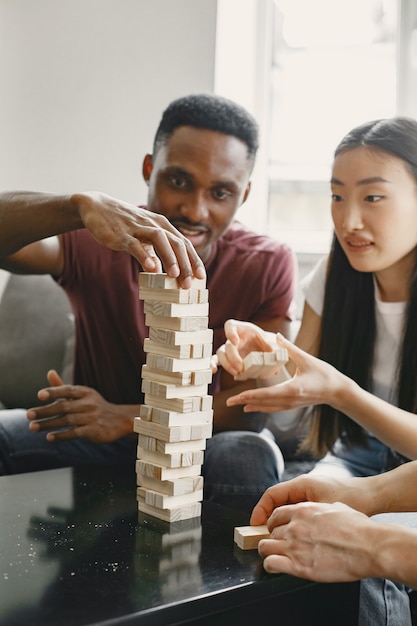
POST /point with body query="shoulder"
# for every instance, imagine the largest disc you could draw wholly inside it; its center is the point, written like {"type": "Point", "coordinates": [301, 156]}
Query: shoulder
{"type": "Point", "coordinates": [313, 285]}
{"type": "Point", "coordinates": [242, 240]}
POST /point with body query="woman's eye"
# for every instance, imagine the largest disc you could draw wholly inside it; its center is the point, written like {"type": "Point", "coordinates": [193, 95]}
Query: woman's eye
{"type": "Point", "coordinates": [373, 198]}
{"type": "Point", "coordinates": [336, 197]}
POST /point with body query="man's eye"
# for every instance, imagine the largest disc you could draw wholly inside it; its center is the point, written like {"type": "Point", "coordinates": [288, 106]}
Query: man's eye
{"type": "Point", "coordinates": [177, 181]}
{"type": "Point", "coordinates": [336, 197]}
{"type": "Point", "coordinates": [373, 198]}
{"type": "Point", "coordinates": [220, 194]}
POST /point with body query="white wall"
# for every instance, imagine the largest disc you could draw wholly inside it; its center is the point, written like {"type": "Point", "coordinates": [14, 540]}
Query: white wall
{"type": "Point", "coordinates": [83, 84]}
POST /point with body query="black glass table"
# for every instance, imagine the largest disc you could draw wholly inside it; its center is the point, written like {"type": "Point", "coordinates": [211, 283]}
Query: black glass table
{"type": "Point", "coordinates": [76, 552]}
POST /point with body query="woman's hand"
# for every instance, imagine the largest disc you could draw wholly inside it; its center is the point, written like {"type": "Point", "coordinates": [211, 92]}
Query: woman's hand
{"type": "Point", "coordinates": [241, 339]}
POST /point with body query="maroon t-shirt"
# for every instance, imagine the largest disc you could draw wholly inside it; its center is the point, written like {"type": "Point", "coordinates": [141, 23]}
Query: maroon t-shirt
{"type": "Point", "coordinates": [249, 277]}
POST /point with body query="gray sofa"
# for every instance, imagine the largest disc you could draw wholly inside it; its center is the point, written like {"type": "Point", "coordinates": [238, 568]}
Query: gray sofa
{"type": "Point", "coordinates": [36, 334]}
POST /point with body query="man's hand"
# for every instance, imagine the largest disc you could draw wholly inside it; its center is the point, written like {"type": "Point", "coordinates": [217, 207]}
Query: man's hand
{"type": "Point", "coordinates": [355, 492]}
{"type": "Point", "coordinates": [143, 234]}
{"type": "Point", "coordinates": [322, 542]}
{"type": "Point", "coordinates": [75, 411]}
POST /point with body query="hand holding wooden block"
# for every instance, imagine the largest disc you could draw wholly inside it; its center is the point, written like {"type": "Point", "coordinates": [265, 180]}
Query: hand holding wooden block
{"type": "Point", "coordinates": [248, 537]}
{"type": "Point", "coordinates": [262, 364]}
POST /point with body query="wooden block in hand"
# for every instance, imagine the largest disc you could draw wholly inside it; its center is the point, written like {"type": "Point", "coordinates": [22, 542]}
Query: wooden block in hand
{"type": "Point", "coordinates": [248, 537]}
{"type": "Point", "coordinates": [151, 280]}
{"type": "Point", "coordinates": [263, 364]}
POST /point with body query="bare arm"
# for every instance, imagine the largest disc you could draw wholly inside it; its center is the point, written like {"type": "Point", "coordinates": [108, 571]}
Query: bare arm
{"type": "Point", "coordinates": [314, 536]}
{"type": "Point", "coordinates": [390, 492]}
{"type": "Point", "coordinates": [317, 382]}
{"type": "Point", "coordinates": [26, 217]}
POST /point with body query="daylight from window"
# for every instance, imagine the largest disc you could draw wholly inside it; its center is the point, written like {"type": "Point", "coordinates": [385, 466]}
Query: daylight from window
{"type": "Point", "coordinates": [333, 67]}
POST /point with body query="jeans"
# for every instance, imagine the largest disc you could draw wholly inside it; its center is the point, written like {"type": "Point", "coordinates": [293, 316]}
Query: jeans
{"type": "Point", "coordinates": [238, 465]}
{"type": "Point", "coordinates": [383, 603]}
{"type": "Point", "coordinates": [356, 461]}
{"type": "Point", "coordinates": [21, 450]}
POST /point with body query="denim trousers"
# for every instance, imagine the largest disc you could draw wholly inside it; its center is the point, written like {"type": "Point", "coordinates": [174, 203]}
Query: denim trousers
{"type": "Point", "coordinates": [382, 602]}
{"type": "Point", "coordinates": [238, 465]}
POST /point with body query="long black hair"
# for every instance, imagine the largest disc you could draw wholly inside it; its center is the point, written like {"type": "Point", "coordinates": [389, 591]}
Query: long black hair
{"type": "Point", "coordinates": [349, 323]}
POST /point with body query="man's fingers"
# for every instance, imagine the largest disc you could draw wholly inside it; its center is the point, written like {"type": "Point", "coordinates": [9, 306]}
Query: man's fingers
{"type": "Point", "coordinates": [278, 564]}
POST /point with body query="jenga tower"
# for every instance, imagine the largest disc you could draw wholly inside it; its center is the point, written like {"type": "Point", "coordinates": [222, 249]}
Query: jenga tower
{"type": "Point", "coordinates": [177, 416]}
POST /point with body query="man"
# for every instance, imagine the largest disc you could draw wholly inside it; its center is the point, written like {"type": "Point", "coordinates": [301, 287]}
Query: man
{"type": "Point", "coordinates": [320, 530]}
{"type": "Point", "coordinates": [29, 216]}
{"type": "Point", "coordinates": [198, 176]}
{"type": "Point", "coordinates": [320, 527]}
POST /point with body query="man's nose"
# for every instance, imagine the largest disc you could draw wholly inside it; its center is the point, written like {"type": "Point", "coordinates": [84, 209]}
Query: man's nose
{"type": "Point", "coordinates": [195, 207]}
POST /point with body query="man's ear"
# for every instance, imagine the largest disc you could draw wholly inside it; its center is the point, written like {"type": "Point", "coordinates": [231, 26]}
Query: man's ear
{"type": "Point", "coordinates": [147, 167]}
{"type": "Point", "coordinates": [247, 191]}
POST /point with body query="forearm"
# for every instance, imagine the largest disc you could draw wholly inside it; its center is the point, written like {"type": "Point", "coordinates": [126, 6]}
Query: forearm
{"type": "Point", "coordinates": [394, 553]}
{"type": "Point", "coordinates": [390, 492]}
{"type": "Point", "coordinates": [26, 217]}
{"type": "Point", "coordinates": [393, 426]}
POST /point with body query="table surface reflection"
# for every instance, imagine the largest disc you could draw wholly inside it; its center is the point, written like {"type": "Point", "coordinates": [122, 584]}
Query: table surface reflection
{"type": "Point", "coordinates": [75, 551]}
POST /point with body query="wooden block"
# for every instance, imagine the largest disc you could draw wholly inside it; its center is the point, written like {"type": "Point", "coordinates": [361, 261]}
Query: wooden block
{"type": "Point", "coordinates": [185, 405]}
{"type": "Point", "coordinates": [206, 402]}
{"type": "Point", "coordinates": [201, 431]}
{"type": "Point", "coordinates": [185, 324]}
{"type": "Point", "coordinates": [262, 364]}
{"type": "Point", "coordinates": [162, 390]}
{"type": "Point", "coordinates": [202, 377]}
{"type": "Point", "coordinates": [163, 281]}
{"type": "Point", "coordinates": [169, 309]}
{"type": "Point", "coordinates": [163, 501]}
{"type": "Point", "coordinates": [145, 413]}
{"type": "Point", "coordinates": [170, 378]}
{"type": "Point", "coordinates": [170, 364]}
{"type": "Point", "coordinates": [248, 537]}
{"type": "Point", "coordinates": [173, 418]}
{"type": "Point", "coordinates": [186, 511]}
{"type": "Point", "coordinates": [177, 337]}
{"type": "Point", "coordinates": [168, 447]}
{"type": "Point", "coordinates": [166, 433]}
{"type": "Point", "coordinates": [180, 458]}
{"type": "Point", "coordinates": [165, 473]}
{"type": "Point", "coordinates": [176, 352]}
{"type": "Point", "coordinates": [175, 487]}
{"type": "Point", "coordinates": [176, 296]}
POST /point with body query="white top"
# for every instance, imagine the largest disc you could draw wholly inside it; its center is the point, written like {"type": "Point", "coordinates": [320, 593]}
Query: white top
{"type": "Point", "coordinates": [389, 321]}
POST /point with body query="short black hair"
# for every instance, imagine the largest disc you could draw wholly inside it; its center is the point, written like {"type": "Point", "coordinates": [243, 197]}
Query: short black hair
{"type": "Point", "coordinates": [209, 112]}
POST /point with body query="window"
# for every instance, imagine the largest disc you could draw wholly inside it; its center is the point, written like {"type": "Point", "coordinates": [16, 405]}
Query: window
{"type": "Point", "coordinates": [310, 70]}
{"type": "Point", "coordinates": [333, 67]}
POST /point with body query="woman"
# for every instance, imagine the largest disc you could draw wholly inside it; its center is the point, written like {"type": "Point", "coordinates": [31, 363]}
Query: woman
{"type": "Point", "coordinates": [360, 304]}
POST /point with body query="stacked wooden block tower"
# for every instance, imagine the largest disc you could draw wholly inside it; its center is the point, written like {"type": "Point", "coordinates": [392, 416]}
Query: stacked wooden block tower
{"type": "Point", "coordinates": [177, 415]}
